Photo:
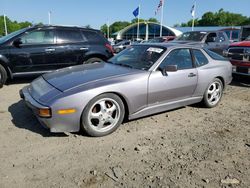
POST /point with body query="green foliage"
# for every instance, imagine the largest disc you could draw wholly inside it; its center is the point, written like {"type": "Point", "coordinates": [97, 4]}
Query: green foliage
{"type": "Point", "coordinates": [12, 25]}
{"type": "Point", "coordinates": [220, 18]}
{"type": "Point", "coordinates": [117, 26]}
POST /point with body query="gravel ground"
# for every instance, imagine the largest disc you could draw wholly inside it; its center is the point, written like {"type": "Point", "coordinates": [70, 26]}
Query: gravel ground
{"type": "Point", "coordinates": [188, 147]}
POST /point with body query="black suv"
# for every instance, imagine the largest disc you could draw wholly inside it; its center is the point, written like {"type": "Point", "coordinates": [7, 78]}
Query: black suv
{"type": "Point", "coordinates": [41, 49]}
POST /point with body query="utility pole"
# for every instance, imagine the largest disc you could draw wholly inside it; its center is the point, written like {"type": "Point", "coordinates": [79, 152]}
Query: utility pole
{"type": "Point", "coordinates": [5, 24]}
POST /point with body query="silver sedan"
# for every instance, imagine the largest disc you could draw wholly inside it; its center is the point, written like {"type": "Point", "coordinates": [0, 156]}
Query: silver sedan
{"type": "Point", "coordinates": [142, 80]}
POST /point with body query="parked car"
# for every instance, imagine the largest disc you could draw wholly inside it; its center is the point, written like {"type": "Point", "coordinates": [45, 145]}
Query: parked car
{"type": "Point", "coordinates": [216, 41]}
{"type": "Point", "coordinates": [143, 79]}
{"type": "Point", "coordinates": [121, 45]}
{"type": "Point", "coordinates": [161, 39]}
{"type": "Point", "coordinates": [239, 53]}
{"type": "Point", "coordinates": [40, 49]}
{"type": "Point", "coordinates": [233, 34]}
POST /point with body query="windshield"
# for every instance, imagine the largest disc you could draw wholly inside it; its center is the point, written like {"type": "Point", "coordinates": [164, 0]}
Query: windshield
{"type": "Point", "coordinates": [248, 38]}
{"type": "Point", "coordinates": [139, 57]}
{"type": "Point", "coordinates": [192, 36]}
{"type": "Point", "coordinates": [9, 36]}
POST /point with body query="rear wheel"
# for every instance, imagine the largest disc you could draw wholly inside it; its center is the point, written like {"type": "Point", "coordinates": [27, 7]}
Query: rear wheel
{"type": "Point", "coordinates": [213, 93]}
{"type": "Point", "coordinates": [3, 76]}
{"type": "Point", "coordinates": [93, 60]}
{"type": "Point", "coordinates": [103, 115]}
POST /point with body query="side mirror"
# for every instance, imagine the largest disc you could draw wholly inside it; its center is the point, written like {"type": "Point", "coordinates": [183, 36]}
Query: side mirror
{"type": "Point", "coordinates": [169, 68]}
{"type": "Point", "coordinates": [17, 42]}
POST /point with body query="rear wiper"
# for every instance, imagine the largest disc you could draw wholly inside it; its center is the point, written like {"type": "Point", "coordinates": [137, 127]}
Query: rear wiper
{"type": "Point", "coordinates": [124, 65]}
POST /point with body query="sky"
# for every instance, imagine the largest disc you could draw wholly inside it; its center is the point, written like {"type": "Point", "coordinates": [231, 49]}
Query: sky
{"type": "Point", "coordinates": [98, 12]}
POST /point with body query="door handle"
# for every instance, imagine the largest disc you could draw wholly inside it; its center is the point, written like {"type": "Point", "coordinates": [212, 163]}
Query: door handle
{"type": "Point", "coordinates": [191, 75]}
{"type": "Point", "coordinates": [50, 50]}
{"type": "Point", "coordinates": [84, 48]}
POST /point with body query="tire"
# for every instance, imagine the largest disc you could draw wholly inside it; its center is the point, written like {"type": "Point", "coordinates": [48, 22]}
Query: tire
{"type": "Point", "coordinates": [213, 93]}
{"type": "Point", "coordinates": [103, 115]}
{"type": "Point", "coordinates": [93, 60]}
{"type": "Point", "coordinates": [3, 76]}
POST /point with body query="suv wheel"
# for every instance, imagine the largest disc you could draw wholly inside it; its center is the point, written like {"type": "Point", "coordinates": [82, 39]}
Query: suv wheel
{"type": "Point", "coordinates": [92, 60]}
{"type": "Point", "coordinates": [3, 76]}
{"type": "Point", "coordinates": [103, 115]}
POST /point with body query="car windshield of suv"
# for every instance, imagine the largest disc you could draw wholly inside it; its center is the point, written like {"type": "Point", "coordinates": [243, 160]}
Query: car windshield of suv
{"type": "Point", "coordinates": [248, 38]}
{"type": "Point", "coordinates": [9, 36]}
{"type": "Point", "coordinates": [192, 36]}
{"type": "Point", "coordinates": [138, 57]}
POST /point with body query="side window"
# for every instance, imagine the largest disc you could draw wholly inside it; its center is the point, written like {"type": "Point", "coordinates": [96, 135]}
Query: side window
{"type": "Point", "coordinates": [200, 58]}
{"type": "Point", "coordinates": [180, 57]}
{"type": "Point", "coordinates": [68, 36]}
{"type": "Point", "coordinates": [235, 35]}
{"type": "Point", "coordinates": [93, 36]}
{"type": "Point", "coordinates": [211, 37]}
{"type": "Point", "coordinates": [221, 37]}
{"type": "Point", "coordinates": [38, 37]}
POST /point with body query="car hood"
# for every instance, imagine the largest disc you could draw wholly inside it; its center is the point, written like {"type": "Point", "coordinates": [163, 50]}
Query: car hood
{"type": "Point", "coordinates": [242, 43]}
{"type": "Point", "coordinates": [71, 77]}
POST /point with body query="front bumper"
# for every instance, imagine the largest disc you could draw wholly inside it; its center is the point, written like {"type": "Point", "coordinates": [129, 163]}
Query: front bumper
{"type": "Point", "coordinates": [241, 68]}
{"type": "Point", "coordinates": [56, 123]}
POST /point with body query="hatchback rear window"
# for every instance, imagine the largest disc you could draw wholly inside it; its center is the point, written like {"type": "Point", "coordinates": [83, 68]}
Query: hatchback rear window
{"type": "Point", "coordinates": [215, 56]}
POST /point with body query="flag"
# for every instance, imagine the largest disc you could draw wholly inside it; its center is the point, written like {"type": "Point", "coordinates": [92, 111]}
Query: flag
{"type": "Point", "coordinates": [193, 10]}
{"type": "Point", "coordinates": [136, 12]}
{"type": "Point", "coordinates": [159, 6]}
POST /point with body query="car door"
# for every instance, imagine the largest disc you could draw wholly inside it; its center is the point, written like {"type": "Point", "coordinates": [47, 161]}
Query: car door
{"type": "Point", "coordinates": [29, 55]}
{"type": "Point", "coordinates": [175, 85]}
{"type": "Point", "coordinates": [222, 42]}
{"type": "Point", "coordinates": [211, 42]}
{"type": "Point", "coordinates": [69, 49]}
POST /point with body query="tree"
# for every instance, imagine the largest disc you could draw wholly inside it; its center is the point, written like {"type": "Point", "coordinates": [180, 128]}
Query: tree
{"type": "Point", "coordinates": [12, 25]}
{"type": "Point", "coordinates": [220, 18]}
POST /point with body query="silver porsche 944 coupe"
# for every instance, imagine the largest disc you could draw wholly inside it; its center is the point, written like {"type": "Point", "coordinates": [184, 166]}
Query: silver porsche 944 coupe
{"type": "Point", "coordinates": [142, 80]}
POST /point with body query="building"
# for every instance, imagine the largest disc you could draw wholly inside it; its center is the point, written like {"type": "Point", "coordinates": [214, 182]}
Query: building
{"type": "Point", "coordinates": [147, 30]}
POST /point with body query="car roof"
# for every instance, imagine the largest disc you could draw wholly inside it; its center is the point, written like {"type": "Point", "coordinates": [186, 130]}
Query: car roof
{"type": "Point", "coordinates": [62, 26]}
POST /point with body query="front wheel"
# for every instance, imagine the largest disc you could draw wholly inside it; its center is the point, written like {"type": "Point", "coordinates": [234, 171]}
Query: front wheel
{"type": "Point", "coordinates": [103, 115]}
{"type": "Point", "coordinates": [213, 93]}
{"type": "Point", "coordinates": [93, 60]}
{"type": "Point", "coordinates": [3, 76]}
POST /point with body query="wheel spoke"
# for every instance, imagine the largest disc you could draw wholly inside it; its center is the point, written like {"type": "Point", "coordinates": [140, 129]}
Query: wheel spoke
{"type": "Point", "coordinates": [112, 109]}
{"type": "Point", "coordinates": [111, 120]}
{"type": "Point", "coordinates": [95, 115]}
{"type": "Point", "coordinates": [103, 106]}
{"type": "Point", "coordinates": [100, 124]}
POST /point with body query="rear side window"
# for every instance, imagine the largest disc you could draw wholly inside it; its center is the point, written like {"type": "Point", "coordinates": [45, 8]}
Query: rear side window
{"type": "Point", "coordinates": [221, 37]}
{"type": "Point", "coordinates": [69, 36]}
{"type": "Point", "coordinates": [215, 56]}
{"type": "Point", "coordinates": [200, 58]}
{"type": "Point", "coordinates": [93, 36]}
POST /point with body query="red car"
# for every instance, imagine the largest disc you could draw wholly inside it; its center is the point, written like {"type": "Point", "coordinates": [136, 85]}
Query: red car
{"type": "Point", "coordinates": [239, 53]}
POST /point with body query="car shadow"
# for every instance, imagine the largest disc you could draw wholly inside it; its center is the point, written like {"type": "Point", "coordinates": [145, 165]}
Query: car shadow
{"type": "Point", "coordinates": [242, 81]}
{"type": "Point", "coordinates": [23, 118]}
{"type": "Point", "coordinates": [21, 80]}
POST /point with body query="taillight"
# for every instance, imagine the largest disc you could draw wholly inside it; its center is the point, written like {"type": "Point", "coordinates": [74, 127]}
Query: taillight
{"type": "Point", "coordinates": [110, 48]}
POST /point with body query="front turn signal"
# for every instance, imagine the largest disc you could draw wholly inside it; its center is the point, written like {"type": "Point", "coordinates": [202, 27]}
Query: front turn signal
{"type": "Point", "coordinates": [44, 113]}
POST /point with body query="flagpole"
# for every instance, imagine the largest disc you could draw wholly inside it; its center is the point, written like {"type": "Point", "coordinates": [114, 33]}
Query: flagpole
{"type": "Point", "coordinates": [138, 18]}
{"type": "Point", "coordinates": [193, 16]}
{"type": "Point", "coordinates": [161, 18]}
{"type": "Point", "coordinates": [5, 24]}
